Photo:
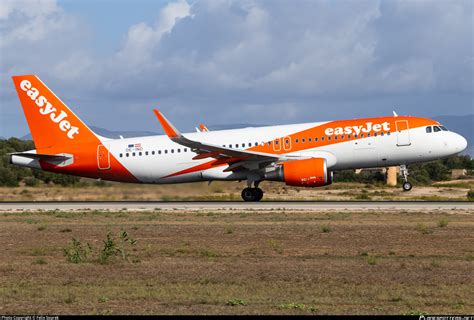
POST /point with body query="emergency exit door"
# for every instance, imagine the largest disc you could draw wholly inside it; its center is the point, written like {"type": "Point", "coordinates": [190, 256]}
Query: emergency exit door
{"type": "Point", "coordinates": [103, 158]}
{"type": "Point", "coordinates": [403, 134]}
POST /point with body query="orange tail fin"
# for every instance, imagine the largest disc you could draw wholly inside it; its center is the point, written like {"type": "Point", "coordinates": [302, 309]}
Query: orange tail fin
{"type": "Point", "coordinates": [53, 126]}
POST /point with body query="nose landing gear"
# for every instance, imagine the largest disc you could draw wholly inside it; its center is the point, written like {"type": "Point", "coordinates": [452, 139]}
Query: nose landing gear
{"type": "Point", "coordinates": [404, 173]}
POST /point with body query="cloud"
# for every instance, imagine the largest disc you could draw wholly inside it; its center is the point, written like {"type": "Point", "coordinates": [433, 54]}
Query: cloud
{"type": "Point", "coordinates": [235, 61]}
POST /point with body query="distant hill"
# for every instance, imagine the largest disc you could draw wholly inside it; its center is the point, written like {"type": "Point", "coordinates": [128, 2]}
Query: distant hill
{"type": "Point", "coordinates": [110, 134]}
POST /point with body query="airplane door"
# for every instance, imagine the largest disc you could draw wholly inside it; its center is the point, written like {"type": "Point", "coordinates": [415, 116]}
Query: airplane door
{"type": "Point", "coordinates": [103, 157]}
{"type": "Point", "coordinates": [403, 134]}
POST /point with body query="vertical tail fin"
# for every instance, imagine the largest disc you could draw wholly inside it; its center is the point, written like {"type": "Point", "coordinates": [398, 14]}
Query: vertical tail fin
{"type": "Point", "coordinates": [53, 126]}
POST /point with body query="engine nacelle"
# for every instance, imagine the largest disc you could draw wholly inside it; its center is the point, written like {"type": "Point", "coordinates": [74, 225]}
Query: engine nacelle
{"type": "Point", "coordinates": [303, 173]}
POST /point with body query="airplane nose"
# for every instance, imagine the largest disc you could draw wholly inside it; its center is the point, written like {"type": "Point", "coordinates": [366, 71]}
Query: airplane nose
{"type": "Point", "coordinates": [462, 143]}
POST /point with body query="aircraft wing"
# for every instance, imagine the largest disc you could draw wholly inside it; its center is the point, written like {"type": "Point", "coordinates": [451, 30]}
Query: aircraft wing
{"type": "Point", "coordinates": [206, 150]}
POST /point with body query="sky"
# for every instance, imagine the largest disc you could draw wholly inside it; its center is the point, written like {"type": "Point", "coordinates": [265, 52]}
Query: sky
{"type": "Point", "coordinates": [244, 61]}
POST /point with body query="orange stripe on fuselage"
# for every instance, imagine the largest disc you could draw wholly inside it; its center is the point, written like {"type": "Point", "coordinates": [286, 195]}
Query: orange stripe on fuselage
{"type": "Point", "coordinates": [319, 132]}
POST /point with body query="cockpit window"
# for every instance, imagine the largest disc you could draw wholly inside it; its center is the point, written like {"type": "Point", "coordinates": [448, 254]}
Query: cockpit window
{"type": "Point", "coordinates": [436, 129]}
{"type": "Point", "coordinates": [428, 130]}
{"type": "Point", "coordinates": [443, 128]}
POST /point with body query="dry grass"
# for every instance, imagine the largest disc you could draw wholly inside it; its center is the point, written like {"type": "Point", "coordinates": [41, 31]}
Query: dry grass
{"type": "Point", "coordinates": [227, 262]}
{"type": "Point", "coordinates": [219, 190]}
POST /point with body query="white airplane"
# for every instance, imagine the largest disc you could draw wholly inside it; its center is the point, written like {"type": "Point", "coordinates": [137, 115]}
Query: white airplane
{"type": "Point", "coordinates": [303, 155]}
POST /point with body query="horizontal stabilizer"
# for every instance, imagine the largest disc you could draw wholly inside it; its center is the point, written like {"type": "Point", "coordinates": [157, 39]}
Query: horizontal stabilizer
{"type": "Point", "coordinates": [44, 157]}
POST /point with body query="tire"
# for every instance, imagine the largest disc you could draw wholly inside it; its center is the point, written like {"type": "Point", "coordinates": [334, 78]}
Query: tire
{"type": "Point", "coordinates": [407, 186]}
{"type": "Point", "coordinates": [248, 194]}
{"type": "Point", "coordinates": [259, 194]}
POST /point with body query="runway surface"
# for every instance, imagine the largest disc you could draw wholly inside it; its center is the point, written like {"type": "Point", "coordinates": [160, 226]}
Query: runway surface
{"type": "Point", "coordinates": [224, 205]}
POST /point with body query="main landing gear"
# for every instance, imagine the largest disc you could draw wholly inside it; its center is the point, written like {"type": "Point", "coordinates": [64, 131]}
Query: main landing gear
{"type": "Point", "coordinates": [404, 172]}
{"type": "Point", "coordinates": [252, 194]}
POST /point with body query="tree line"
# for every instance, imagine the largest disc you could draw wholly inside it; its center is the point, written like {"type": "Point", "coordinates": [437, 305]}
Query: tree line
{"type": "Point", "coordinates": [13, 176]}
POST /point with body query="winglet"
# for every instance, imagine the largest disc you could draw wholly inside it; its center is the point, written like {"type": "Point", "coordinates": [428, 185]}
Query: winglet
{"type": "Point", "coordinates": [203, 128]}
{"type": "Point", "coordinates": [169, 129]}
{"type": "Point", "coordinates": [395, 114]}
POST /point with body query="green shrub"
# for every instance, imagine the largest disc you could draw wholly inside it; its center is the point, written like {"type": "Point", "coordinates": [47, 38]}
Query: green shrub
{"type": "Point", "coordinates": [76, 252]}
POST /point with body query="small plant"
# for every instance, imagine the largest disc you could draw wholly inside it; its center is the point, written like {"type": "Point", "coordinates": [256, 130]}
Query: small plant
{"type": "Point", "coordinates": [125, 239]}
{"type": "Point", "coordinates": [69, 299]}
{"type": "Point", "coordinates": [109, 249]}
{"type": "Point", "coordinates": [236, 302]}
{"type": "Point", "coordinates": [364, 254]}
{"type": "Point", "coordinates": [371, 260]}
{"type": "Point", "coordinates": [229, 230]}
{"type": "Point", "coordinates": [470, 195]}
{"type": "Point", "coordinates": [435, 264]}
{"type": "Point", "coordinates": [443, 223]}
{"type": "Point", "coordinates": [326, 229]}
{"type": "Point", "coordinates": [103, 299]}
{"type": "Point", "coordinates": [275, 245]}
{"type": "Point", "coordinates": [40, 261]}
{"type": "Point", "coordinates": [298, 306]}
{"type": "Point", "coordinates": [423, 228]}
{"type": "Point", "coordinates": [76, 252]}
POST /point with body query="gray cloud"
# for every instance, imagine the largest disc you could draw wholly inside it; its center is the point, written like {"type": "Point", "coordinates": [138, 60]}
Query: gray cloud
{"type": "Point", "coordinates": [253, 61]}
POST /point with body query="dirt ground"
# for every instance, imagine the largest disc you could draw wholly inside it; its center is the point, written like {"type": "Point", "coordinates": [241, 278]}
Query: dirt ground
{"type": "Point", "coordinates": [240, 262]}
{"type": "Point", "coordinates": [449, 190]}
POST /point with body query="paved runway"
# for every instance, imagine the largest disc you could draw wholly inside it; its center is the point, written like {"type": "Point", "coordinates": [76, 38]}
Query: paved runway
{"type": "Point", "coordinates": [224, 205]}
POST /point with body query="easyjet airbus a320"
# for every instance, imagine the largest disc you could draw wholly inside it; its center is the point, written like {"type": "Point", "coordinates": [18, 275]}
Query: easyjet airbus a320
{"type": "Point", "coordinates": [303, 155]}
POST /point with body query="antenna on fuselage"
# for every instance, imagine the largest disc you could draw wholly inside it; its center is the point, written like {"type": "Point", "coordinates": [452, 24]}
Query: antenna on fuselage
{"type": "Point", "coordinates": [395, 114]}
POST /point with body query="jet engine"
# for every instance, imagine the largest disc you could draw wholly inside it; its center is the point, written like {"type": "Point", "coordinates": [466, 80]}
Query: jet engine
{"type": "Point", "coordinates": [311, 172]}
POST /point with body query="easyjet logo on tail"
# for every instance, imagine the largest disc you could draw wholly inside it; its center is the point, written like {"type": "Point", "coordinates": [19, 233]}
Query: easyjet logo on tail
{"type": "Point", "coordinates": [368, 127]}
{"type": "Point", "coordinates": [46, 108]}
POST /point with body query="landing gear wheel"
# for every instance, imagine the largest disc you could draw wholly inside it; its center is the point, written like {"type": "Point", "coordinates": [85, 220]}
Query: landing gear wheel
{"type": "Point", "coordinates": [259, 194]}
{"type": "Point", "coordinates": [248, 194]}
{"type": "Point", "coordinates": [252, 194]}
{"type": "Point", "coordinates": [407, 186]}
{"type": "Point", "coordinates": [404, 173]}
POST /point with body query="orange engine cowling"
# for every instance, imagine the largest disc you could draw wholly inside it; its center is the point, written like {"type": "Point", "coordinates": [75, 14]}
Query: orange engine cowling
{"type": "Point", "coordinates": [304, 173]}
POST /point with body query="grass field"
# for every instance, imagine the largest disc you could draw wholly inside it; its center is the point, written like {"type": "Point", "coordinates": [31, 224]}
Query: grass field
{"type": "Point", "coordinates": [240, 262]}
{"type": "Point", "coordinates": [218, 190]}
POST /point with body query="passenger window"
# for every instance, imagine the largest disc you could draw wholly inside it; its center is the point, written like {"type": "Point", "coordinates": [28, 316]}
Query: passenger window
{"type": "Point", "coordinates": [436, 129]}
{"type": "Point", "coordinates": [388, 133]}
{"type": "Point", "coordinates": [133, 154]}
{"type": "Point", "coordinates": [355, 136]}
{"type": "Point", "coordinates": [322, 138]}
{"type": "Point", "coordinates": [146, 153]}
{"type": "Point", "coordinates": [315, 139]}
{"type": "Point", "coordinates": [166, 151]}
{"type": "Point", "coordinates": [172, 150]}
{"type": "Point", "coordinates": [309, 139]}
{"type": "Point", "coordinates": [428, 130]}
{"type": "Point", "coordinates": [121, 155]}
{"type": "Point", "coordinates": [140, 153]}
{"type": "Point", "coordinates": [179, 150]}
{"type": "Point", "coordinates": [302, 140]}
{"type": "Point", "coordinates": [236, 145]}
{"type": "Point", "coordinates": [375, 134]}
{"type": "Point", "coordinates": [329, 138]}
{"type": "Point", "coordinates": [256, 143]}
{"type": "Point", "coordinates": [153, 152]}
{"type": "Point", "coordinates": [250, 144]}
{"type": "Point", "coordinates": [361, 135]}
{"type": "Point", "coordinates": [243, 145]}
{"type": "Point", "coordinates": [382, 134]}
{"type": "Point", "coordinates": [297, 140]}
{"type": "Point", "coordinates": [342, 137]}
{"type": "Point", "coordinates": [126, 154]}
{"type": "Point", "coordinates": [185, 150]}
{"type": "Point", "coordinates": [276, 142]}
{"type": "Point", "coordinates": [159, 151]}
{"type": "Point", "coordinates": [335, 137]}
{"type": "Point", "coordinates": [348, 136]}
